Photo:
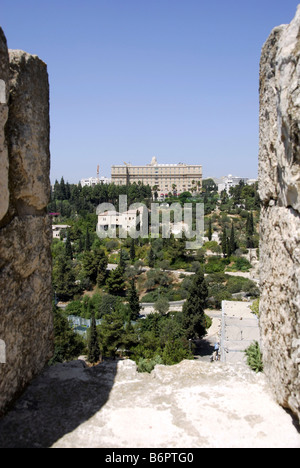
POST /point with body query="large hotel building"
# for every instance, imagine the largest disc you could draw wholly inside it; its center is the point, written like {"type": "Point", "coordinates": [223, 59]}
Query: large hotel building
{"type": "Point", "coordinates": [164, 177]}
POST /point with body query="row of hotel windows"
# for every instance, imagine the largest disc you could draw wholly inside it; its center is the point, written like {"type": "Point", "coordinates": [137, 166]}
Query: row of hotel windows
{"type": "Point", "coordinates": [136, 170]}
{"type": "Point", "coordinates": [151, 183]}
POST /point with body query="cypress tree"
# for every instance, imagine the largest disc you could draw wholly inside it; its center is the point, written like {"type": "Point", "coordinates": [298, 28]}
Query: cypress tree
{"type": "Point", "coordinates": [249, 230]}
{"type": "Point", "coordinates": [151, 258]}
{"type": "Point", "coordinates": [122, 263]}
{"type": "Point", "coordinates": [87, 240]}
{"type": "Point", "coordinates": [224, 242]}
{"type": "Point", "coordinates": [68, 248]}
{"type": "Point", "coordinates": [93, 345]}
{"type": "Point", "coordinates": [232, 242]}
{"type": "Point", "coordinates": [62, 189]}
{"type": "Point", "coordinates": [194, 321]}
{"type": "Point", "coordinates": [133, 300]}
{"type": "Point", "coordinates": [132, 250]}
{"type": "Point", "coordinates": [209, 230]}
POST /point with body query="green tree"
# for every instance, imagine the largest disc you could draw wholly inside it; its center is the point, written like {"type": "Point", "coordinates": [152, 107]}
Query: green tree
{"type": "Point", "coordinates": [68, 248]}
{"type": "Point", "coordinates": [132, 250]}
{"type": "Point", "coordinates": [87, 245]}
{"type": "Point", "coordinates": [93, 344]}
{"type": "Point", "coordinates": [175, 351]}
{"type": "Point", "coordinates": [151, 258]}
{"type": "Point", "coordinates": [209, 229]}
{"type": "Point", "coordinates": [224, 242]}
{"type": "Point", "coordinates": [67, 344]}
{"type": "Point", "coordinates": [94, 265]}
{"type": "Point", "coordinates": [122, 262]}
{"type": "Point", "coordinates": [232, 241]}
{"type": "Point", "coordinates": [64, 281]}
{"type": "Point", "coordinates": [162, 305]}
{"type": "Point", "coordinates": [133, 300]}
{"type": "Point", "coordinates": [193, 315]}
{"type": "Point", "coordinates": [250, 230]}
{"type": "Point", "coordinates": [111, 333]}
{"type": "Point", "coordinates": [115, 282]}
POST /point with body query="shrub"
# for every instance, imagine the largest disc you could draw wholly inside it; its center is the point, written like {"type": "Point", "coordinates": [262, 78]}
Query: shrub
{"type": "Point", "coordinates": [214, 265]}
{"type": "Point", "coordinates": [216, 294]}
{"type": "Point", "coordinates": [254, 357]}
{"type": "Point", "coordinates": [174, 352]}
{"type": "Point", "coordinates": [147, 365]}
{"type": "Point", "coordinates": [240, 264]}
{"type": "Point", "coordinates": [255, 307]}
{"type": "Point", "coordinates": [213, 246]}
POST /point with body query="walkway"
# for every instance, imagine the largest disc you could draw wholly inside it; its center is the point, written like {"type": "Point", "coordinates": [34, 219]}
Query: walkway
{"type": "Point", "coordinates": [111, 406]}
{"type": "Point", "coordinates": [239, 329]}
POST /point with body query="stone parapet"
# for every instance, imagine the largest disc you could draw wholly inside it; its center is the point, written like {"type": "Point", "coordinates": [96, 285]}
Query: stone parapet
{"type": "Point", "coordinates": [279, 188]}
{"type": "Point", "coordinates": [26, 329]}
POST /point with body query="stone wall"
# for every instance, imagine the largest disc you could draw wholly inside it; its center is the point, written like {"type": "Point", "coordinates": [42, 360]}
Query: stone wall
{"type": "Point", "coordinates": [279, 188]}
{"type": "Point", "coordinates": [26, 329]}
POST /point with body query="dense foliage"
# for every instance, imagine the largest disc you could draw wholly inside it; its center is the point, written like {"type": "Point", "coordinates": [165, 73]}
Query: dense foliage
{"type": "Point", "coordinates": [143, 273]}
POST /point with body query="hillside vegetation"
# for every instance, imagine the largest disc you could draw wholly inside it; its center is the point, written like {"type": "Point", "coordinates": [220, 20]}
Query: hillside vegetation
{"type": "Point", "coordinates": [147, 270]}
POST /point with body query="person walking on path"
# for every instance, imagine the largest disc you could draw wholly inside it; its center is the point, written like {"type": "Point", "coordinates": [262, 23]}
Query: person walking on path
{"type": "Point", "coordinates": [215, 356]}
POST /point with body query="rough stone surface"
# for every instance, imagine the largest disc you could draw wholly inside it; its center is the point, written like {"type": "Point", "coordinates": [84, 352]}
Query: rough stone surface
{"type": "Point", "coordinates": [25, 230]}
{"type": "Point", "coordinates": [190, 405]}
{"type": "Point", "coordinates": [4, 78]}
{"type": "Point", "coordinates": [28, 130]}
{"type": "Point", "coordinates": [279, 188]}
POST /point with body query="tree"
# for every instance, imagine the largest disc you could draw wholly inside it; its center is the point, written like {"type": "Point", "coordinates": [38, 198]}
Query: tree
{"type": "Point", "coordinates": [209, 229]}
{"type": "Point", "coordinates": [95, 264]}
{"type": "Point", "coordinates": [93, 345]}
{"type": "Point", "coordinates": [63, 189]}
{"type": "Point", "coordinates": [67, 344]}
{"type": "Point", "coordinates": [162, 305]}
{"type": "Point", "coordinates": [151, 258]}
{"type": "Point", "coordinates": [175, 351]}
{"type": "Point", "coordinates": [87, 246]}
{"type": "Point", "coordinates": [68, 248]}
{"type": "Point", "coordinates": [64, 279]}
{"type": "Point", "coordinates": [133, 300]}
{"type": "Point", "coordinates": [193, 316]}
{"type": "Point", "coordinates": [111, 333]}
{"type": "Point", "coordinates": [115, 282]}
{"type": "Point", "coordinates": [249, 225]}
{"type": "Point", "coordinates": [122, 263]}
{"type": "Point", "coordinates": [250, 230]}
{"type": "Point", "coordinates": [209, 185]}
{"type": "Point", "coordinates": [224, 242]}
{"type": "Point", "coordinates": [132, 251]}
{"type": "Point", "coordinates": [101, 262]}
{"type": "Point", "coordinates": [232, 242]}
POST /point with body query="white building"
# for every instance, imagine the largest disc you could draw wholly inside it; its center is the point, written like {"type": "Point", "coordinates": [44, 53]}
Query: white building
{"type": "Point", "coordinates": [229, 181]}
{"type": "Point", "coordinates": [109, 221]}
{"type": "Point", "coordinates": [57, 228]}
{"type": "Point", "coordinates": [92, 181]}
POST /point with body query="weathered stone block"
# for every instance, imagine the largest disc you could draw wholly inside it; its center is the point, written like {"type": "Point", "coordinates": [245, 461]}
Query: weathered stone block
{"type": "Point", "coordinates": [279, 188]}
{"type": "Point", "coordinates": [28, 129]}
{"type": "Point", "coordinates": [26, 329]}
{"type": "Point", "coordinates": [4, 76]}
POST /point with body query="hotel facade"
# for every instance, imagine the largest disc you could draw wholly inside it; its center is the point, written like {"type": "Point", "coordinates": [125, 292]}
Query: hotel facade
{"type": "Point", "coordinates": [164, 178]}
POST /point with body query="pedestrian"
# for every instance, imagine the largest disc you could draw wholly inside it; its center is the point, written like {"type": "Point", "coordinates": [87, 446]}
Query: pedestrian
{"type": "Point", "coordinates": [216, 351]}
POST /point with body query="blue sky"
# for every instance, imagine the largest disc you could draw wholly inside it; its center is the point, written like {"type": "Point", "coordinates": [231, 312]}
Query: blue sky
{"type": "Point", "coordinates": [133, 79]}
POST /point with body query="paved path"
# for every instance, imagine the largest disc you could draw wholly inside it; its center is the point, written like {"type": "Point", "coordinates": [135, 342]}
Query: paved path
{"type": "Point", "coordinates": [239, 329]}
